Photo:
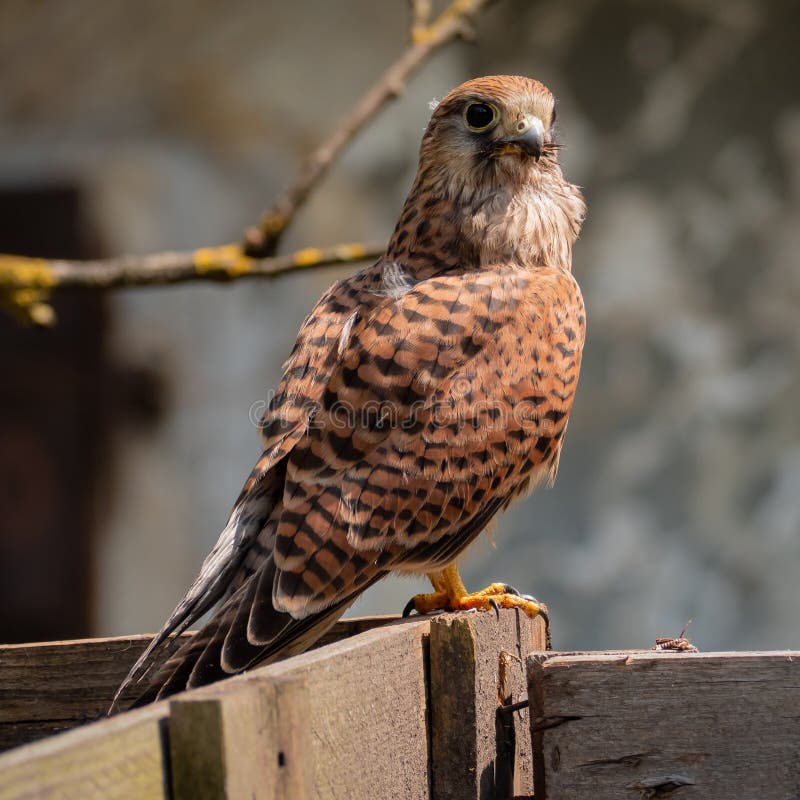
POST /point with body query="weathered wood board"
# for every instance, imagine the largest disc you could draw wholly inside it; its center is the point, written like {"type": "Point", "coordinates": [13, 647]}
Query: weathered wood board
{"type": "Point", "coordinates": [359, 718]}
{"type": "Point", "coordinates": [335, 722]}
{"type": "Point", "coordinates": [250, 740]}
{"type": "Point", "coordinates": [714, 726]}
{"type": "Point", "coordinates": [477, 666]}
{"type": "Point", "coordinates": [362, 718]}
{"type": "Point", "coordinates": [119, 759]}
{"type": "Point", "coordinates": [349, 721]}
{"type": "Point", "coordinates": [50, 687]}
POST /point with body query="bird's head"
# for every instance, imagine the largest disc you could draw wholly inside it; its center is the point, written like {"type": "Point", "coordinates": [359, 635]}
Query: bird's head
{"type": "Point", "coordinates": [489, 187]}
{"type": "Point", "coordinates": [490, 129]}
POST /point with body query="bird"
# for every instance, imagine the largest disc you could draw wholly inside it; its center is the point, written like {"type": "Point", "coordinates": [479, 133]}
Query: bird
{"type": "Point", "coordinates": [423, 395]}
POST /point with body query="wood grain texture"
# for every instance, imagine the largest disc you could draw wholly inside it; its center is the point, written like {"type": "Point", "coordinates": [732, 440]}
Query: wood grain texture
{"type": "Point", "coordinates": [367, 713]}
{"type": "Point", "coordinates": [351, 720]}
{"type": "Point", "coordinates": [477, 665]}
{"type": "Point", "coordinates": [248, 741]}
{"type": "Point", "coordinates": [119, 759]}
{"type": "Point", "coordinates": [360, 719]}
{"type": "Point", "coordinates": [197, 747]}
{"type": "Point", "coordinates": [52, 686]}
{"type": "Point", "coordinates": [49, 687]}
{"type": "Point", "coordinates": [661, 725]}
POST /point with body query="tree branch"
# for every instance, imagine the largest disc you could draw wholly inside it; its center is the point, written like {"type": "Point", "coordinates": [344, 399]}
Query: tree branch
{"type": "Point", "coordinates": [453, 22]}
{"type": "Point", "coordinates": [420, 15]}
{"type": "Point", "coordinates": [26, 282]}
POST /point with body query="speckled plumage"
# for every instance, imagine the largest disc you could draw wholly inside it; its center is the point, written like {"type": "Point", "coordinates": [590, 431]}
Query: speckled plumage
{"type": "Point", "coordinates": [423, 395]}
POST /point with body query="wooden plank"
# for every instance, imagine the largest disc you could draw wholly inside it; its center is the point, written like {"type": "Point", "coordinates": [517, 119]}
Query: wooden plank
{"type": "Point", "coordinates": [248, 740]}
{"type": "Point", "coordinates": [366, 713]}
{"type": "Point", "coordinates": [357, 695]}
{"type": "Point", "coordinates": [123, 758]}
{"type": "Point", "coordinates": [477, 665]}
{"type": "Point", "coordinates": [49, 687]}
{"type": "Point", "coordinates": [368, 706]}
{"type": "Point", "coordinates": [349, 720]}
{"type": "Point", "coordinates": [658, 725]}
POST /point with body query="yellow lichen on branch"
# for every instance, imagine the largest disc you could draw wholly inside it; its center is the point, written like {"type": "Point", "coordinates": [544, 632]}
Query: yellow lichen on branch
{"type": "Point", "coordinates": [420, 14]}
{"type": "Point", "coordinates": [459, 12]}
{"type": "Point", "coordinates": [23, 271]}
{"type": "Point", "coordinates": [310, 256]}
{"type": "Point", "coordinates": [24, 288]}
{"type": "Point", "coordinates": [227, 258]}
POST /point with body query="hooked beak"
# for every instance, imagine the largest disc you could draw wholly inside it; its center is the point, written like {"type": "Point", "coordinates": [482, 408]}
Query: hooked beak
{"type": "Point", "coordinates": [529, 137]}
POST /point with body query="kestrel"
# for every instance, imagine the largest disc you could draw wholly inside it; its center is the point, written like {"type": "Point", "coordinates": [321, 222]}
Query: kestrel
{"type": "Point", "coordinates": [423, 395]}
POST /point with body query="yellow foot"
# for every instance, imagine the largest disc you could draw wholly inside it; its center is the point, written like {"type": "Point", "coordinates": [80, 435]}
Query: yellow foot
{"type": "Point", "coordinates": [451, 595]}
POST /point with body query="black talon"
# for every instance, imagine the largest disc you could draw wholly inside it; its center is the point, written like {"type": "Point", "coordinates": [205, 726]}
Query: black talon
{"type": "Point", "coordinates": [409, 608]}
{"type": "Point", "coordinates": [509, 589]}
{"type": "Point", "coordinates": [544, 614]}
{"type": "Point", "coordinates": [494, 604]}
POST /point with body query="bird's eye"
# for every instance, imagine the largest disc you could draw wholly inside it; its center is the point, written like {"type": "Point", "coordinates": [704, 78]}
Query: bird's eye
{"type": "Point", "coordinates": [480, 116]}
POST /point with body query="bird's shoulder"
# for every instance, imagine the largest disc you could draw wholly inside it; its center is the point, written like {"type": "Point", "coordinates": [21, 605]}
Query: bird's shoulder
{"type": "Point", "coordinates": [389, 331]}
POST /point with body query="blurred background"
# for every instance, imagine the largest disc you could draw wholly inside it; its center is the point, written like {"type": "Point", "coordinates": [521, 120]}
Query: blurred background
{"type": "Point", "coordinates": [126, 431]}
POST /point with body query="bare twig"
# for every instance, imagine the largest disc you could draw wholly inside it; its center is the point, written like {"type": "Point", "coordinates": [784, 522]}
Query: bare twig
{"type": "Point", "coordinates": [26, 282]}
{"type": "Point", "coordinates": [453, 22]}
{"type": "Point", "coordinates": [420, 16]}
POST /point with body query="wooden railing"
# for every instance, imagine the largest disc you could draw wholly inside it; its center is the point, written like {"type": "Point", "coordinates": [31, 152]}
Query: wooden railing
{"type": "Point", "coordinates": [423, 708]}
